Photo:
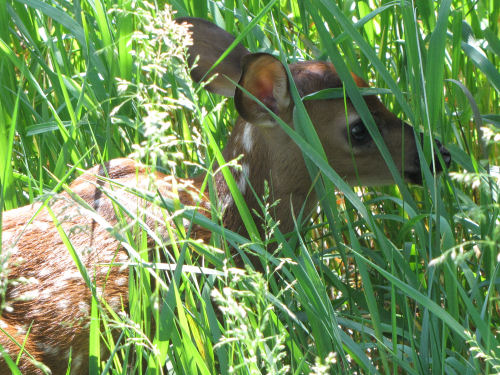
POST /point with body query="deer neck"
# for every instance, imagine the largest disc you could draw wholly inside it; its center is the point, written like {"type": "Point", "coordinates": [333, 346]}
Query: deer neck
{"type": "Point", "coordinates": [268, 154]}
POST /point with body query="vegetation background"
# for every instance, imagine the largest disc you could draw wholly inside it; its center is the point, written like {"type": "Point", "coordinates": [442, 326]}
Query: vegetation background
{"type": "Point", "coordinates": [391, 280]}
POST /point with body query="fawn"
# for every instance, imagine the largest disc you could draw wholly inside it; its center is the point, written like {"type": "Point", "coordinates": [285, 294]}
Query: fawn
{"type": "Point", "coordinates": [50, 297]}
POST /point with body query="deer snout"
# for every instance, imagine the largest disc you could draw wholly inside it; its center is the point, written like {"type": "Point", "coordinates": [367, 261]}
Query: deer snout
{"type": "Point", "coordinates": [415, 175]}
{"type": "Point", "coordinates": [439, 149]}
{"type": "Point", "coordinates": [445, 154]}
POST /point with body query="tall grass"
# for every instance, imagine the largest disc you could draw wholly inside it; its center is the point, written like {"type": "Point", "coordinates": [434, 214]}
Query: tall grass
{"type": "Point", "coordinates": [398, 279]}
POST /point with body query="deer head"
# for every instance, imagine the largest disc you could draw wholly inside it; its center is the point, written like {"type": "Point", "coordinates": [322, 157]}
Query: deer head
{"type": "Point", "coordinates": [268, 153]}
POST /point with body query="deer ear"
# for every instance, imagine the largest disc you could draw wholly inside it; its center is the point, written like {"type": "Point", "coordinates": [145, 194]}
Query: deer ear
{"type": "Point", "coordinates": [209, 43]}
{"type": "Point", "coordinates": [264, 76]}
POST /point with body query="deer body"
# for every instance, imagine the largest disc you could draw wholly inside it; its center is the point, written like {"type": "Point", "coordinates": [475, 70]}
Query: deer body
{"type": "Point", "coordinates": [52, 296]}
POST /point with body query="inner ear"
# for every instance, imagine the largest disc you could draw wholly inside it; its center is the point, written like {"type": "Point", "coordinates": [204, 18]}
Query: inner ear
{"type": "Point", "coordinates": [264, 76]}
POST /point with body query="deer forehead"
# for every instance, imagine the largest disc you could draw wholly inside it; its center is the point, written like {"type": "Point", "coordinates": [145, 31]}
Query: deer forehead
{"type": "Point", "coordinates": [312, 76]}
{"type": "Point", "coordinates": [331, 114]}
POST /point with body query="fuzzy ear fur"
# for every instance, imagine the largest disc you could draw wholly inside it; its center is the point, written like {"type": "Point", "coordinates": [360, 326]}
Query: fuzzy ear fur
{"type": "Point", "coordinates": [264, 76]}
{"type": "Point", "coordinates": [209, 43]}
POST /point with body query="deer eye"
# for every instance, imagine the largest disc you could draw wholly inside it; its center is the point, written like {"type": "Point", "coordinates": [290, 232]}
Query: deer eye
{"type": "Point", "coordinates": [359, 134]}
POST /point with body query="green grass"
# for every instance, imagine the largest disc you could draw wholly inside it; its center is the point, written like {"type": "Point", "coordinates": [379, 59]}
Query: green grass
{"type": "Point", "coordinates": [402, 280]}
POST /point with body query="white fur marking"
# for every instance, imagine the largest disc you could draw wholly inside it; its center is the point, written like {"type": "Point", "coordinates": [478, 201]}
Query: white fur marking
{"type": "Point", "coordinates": [6, 238]}
{"type": "Point", "coordinates": [226, 201]}
{"type": "Point", "coordinates": [83, 307]}
{"type": "Point", "coordinates": [63, 304]}
{"type": "Point", "coordinates": [46, 271]}
{"type": "Point", "coordinates": [30, 295]}
{"type": "Point", "coordinates": [248, 137]}
{"type": "Point", "coordinates": [115, 303]}
{"type": "Point", "coordinates": [47, 349]}
{"type": "Point", "coordinates": [47, 293]}
{"type": "Point", "coordinates": [242, 182]}
{"type": "Point", "coordinates": [68, 275]}
{"type": "Point", "coordinates": [121, 281]}
{"type": "Point", "coordinates": [76, 364]}
{"type": "Point", "coordinates": [97, 203]}
{"type": "Point", "coordinates": [186, 223]}
{"type": "Point", "coordinates": [21, 330]}
{"type": "Point", "coordinates": [41, 225]}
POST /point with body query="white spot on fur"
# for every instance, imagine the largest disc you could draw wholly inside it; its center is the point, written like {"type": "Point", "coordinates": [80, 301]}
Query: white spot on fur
{"type": "Point", "coordinates": [21, 330]}
{"type": "Point", "coordinates": [83, 307]}
{"type": "Point", "coordinates": [186, 223]}
{"type": "Point", "coordinates": [121, 281]}
{"type": "Point", "coordinates": [226, 201]}
{"type": "Point", "coordinates": [29, 280]}
{"type": "Point", "coordinates": [246, 170]}
{"type": "Point", "coordinates": [97, 203]}
{"type": "Point", "coordinates": [14, 294]}
{"type": "Point", "coordinates": [70, 274]}
{"type": "Point", "coordinates": [242, 180]}
{"type": "Point", "coordinates": [48, 349]}
{"type": "Point", "coordinates": [242, 185]}
{"type": "Point", "coordinates": [3, 324]}
{"type": "Point", "coordinates": [46, 271]}
{"type": "Point", "coordinates": [121, 257]}
{"type": "Point", "coordinates": [76, 363]}
{"type": "Point", "coordinates": [115, 303]}
{"type": "Point", "coordinates": [63, 304]}
{"type": "Point", "coordinates": [6, 237]}
{"type": "Point", "coordinates": [248, 138]}
{"type": "Point", "coordinates": [43, 226]}
{"type": "Point", "coordinates": [47, 293]}
{"type": "Point", "coordinates": [61, 285]}
{"type": "Point", "coordinates": [30, 295]}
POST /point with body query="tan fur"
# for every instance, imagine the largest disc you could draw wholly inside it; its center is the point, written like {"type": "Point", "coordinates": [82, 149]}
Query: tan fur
{"type": "Point", "coordinates": [54, 297]}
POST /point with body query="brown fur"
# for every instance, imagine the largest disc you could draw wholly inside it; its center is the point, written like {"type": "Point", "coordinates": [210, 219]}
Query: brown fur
{"type": "Point", "coordinates": [53, 297]}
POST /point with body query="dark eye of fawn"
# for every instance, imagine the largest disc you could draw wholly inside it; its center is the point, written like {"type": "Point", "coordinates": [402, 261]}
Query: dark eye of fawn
{"type": "Point", "coordinates": [359, 134]}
